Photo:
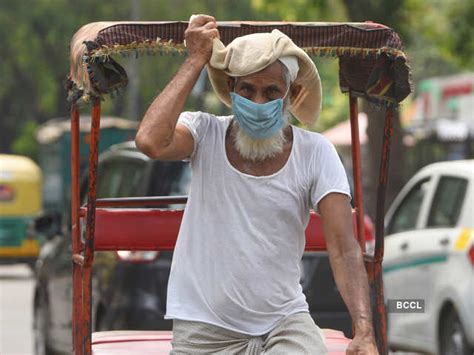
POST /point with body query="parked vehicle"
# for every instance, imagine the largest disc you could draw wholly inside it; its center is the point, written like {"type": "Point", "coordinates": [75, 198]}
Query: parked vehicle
{"type": "Point", "coordinates": [429, 255]}
{"type": "Point", "coordinates": [54, 137]}
{"type": "Point", "coordinates": [130, 286]}
{"type": "Point", "coordinates": [20, 202]}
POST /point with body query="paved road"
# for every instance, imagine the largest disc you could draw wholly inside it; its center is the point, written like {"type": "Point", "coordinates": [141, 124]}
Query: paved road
{"type": "Point", "coordinates": [16, 297]}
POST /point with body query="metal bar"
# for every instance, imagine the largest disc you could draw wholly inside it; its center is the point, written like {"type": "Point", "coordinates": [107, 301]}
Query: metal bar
{"type": "Point", "coordinates": [75, 229]}
{"type": "Point", "coordinates": [356, 168]}
{"type": "Point", "coordinates": [382, 186]}
{"type": "Point", "coordinates": [90, 226]}
{"type": "Point", "coordinates": [380, 317]}
{"type": "Point", "coordinates": [91, 194]}
{"type": "Point", "coordinates": [140, 201]}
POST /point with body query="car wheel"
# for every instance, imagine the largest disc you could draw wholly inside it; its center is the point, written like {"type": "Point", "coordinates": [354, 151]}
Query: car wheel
{"type": "Point", "coordinates": [453, 339]}
{"type": "Point", "coordinates": [40, 326]}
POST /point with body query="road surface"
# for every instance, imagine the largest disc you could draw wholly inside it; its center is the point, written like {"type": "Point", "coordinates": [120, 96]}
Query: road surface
{"type": "Point", "coordinates": [16, 297]}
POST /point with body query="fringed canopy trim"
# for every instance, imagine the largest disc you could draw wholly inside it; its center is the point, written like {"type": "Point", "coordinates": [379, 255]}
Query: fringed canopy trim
{"type": "Point", "coordinates": [371, 57]}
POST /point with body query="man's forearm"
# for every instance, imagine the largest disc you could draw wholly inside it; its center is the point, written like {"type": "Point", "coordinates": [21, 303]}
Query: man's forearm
{"type": "Point", "coordinates": [351, 280]}
{"type": "Point", "coordinates": [158, 125]}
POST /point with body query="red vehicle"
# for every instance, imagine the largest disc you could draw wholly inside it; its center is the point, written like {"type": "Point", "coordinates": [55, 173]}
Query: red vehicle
{"type": "Point", "coordinates": [372, 65]}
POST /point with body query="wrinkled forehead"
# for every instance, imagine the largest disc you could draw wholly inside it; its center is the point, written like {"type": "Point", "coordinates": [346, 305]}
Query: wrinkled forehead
{"type": "Point", "coordinates": [271, 75]}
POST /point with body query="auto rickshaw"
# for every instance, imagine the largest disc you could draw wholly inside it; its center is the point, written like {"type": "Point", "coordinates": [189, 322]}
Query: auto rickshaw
{"type": "Point", "coordinates": [372, 65]}
{"type": "Point", "coordinates": [20, 203]}
{"type": "Point", "coordinates": [54, 138]}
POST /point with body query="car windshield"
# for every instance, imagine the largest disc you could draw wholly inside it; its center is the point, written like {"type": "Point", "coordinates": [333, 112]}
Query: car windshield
{"type": "Point", "coordinates": [170, 179]}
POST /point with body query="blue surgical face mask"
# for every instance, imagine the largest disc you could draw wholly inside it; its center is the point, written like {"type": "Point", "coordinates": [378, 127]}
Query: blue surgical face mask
{"type": "Point", "coordinates": [259, 121]}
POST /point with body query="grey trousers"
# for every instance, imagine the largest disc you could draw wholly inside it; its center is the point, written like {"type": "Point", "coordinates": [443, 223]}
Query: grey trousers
{"type": "Point", "coordinates": [296, 334]}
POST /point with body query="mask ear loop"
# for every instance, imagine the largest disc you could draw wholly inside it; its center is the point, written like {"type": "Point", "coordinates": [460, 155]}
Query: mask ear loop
{"type": "Point", "coordinates": [288, 105]}
{"type": "Point", "coordinates": [286, 93]}
{"type": "Point", "coordinates": [235, 83]}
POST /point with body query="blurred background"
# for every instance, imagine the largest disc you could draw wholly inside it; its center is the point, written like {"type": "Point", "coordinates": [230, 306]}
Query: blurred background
{"type": "Point", "coordinates": [437, 35]}
{"type": "Point", "coordinates": [435, 123]}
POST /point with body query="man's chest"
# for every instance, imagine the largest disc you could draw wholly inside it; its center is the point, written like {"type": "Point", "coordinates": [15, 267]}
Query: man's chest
{"type": "Point", "coordinates": [265, 167]}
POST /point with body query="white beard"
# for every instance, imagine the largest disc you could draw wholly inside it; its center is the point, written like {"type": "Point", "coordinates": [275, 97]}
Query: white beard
{"type": "Point", "coordinates": [259, 149]}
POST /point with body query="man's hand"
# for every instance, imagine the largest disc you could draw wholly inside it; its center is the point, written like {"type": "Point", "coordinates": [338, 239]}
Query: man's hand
{"type": "Point", "coordinates": [363, 344]}
{"type": "Point", "coordinates": [202, 29]}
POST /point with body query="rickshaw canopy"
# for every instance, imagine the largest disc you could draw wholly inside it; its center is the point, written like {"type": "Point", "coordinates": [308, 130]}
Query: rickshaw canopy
{"type": "Point", "coordinates": [20, 186]}
{"type": "Point", "coordinates": [372, 63]}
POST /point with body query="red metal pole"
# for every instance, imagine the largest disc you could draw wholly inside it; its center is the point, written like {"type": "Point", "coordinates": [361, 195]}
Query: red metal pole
{"type": "Point", "coordinates": [90, 227]}
{"type": "Point", "coordinates": [382, 188]}
{"type": "Point", "coordinates": [76, 229]}
{"type": "Point", "coordinates": [91, 195]}
{"type": "Point", "coordinates": [380, 317]}
{"type": "Point", "coordinates": [356, 168]}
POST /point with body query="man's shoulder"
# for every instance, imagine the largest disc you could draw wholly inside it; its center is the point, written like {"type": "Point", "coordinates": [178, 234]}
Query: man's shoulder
{"type": "Point", "coordinates": [205, 116]}
{"type": "Point", "coordinates": [311, 140]}
{"type": "Point", "coordinates": [200, 123]}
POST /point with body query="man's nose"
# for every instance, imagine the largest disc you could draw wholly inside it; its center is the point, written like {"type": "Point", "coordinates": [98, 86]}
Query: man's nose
{"type": "Point", "coordinates": [260, 99]}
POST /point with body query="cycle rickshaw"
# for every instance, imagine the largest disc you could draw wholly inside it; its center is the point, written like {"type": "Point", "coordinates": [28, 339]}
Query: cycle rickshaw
{"type": "Point", "coordinates": [372, 65]}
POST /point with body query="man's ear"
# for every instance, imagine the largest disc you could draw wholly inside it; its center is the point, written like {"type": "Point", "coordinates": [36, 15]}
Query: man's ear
{"type": "Point", "coordinates": [230, 83]}
{"type": "Point", "coordinates": [294, 91]}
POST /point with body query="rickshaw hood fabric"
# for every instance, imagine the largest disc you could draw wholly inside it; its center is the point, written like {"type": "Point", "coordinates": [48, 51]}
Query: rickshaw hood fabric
{"type": "Point", "coordinates": [251, 53]}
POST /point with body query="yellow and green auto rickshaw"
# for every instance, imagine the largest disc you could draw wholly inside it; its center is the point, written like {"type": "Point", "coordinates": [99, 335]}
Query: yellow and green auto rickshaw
{"type": "Point", "coordinates": [20, 203]}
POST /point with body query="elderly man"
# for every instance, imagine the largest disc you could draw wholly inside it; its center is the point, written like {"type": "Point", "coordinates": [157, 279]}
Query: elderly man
{"type": "Point", "coordinates": [234, 284]}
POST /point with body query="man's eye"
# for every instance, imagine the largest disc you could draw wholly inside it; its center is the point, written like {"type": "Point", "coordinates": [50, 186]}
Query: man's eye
{"type": "Point", "coordinates": [246, 92]}
{"type": "Point", "coordinates": [273, 94]}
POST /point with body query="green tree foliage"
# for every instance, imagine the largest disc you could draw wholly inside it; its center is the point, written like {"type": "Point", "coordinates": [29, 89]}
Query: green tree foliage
{"type": "Point", "coordinates": [461, 34]}
{"type": "Point", "coordinates": [34, 38]}
{"type": "Point", "coordinates": [25, 143]}
{"type": "Point", "coordinates": [34, 44]}
{"type": "Point", "coordinates": [302, 10]}
{"type": "Point", "coordinates": [441, 41]}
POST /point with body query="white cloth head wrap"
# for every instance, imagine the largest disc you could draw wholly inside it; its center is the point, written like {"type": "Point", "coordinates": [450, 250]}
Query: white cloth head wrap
{"type": "Point", "coordinates": [251, 53]}
{"type": "Point", "coordinates": [291, 64]}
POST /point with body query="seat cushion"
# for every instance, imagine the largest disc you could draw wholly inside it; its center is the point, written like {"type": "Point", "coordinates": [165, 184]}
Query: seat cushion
{"type": "Point", "coordinates": [131, 342]}
{"type": "Point", "coordinates": [159, 342]}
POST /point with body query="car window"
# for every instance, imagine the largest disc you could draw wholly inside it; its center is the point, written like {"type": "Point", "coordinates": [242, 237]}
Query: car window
{"type": "Point", "coordinates": [133, 178]}
{"type": "Point", "coordinates": [108, 180]}
{"type": "Point", "coordinates": [170, 179]}
{"type": "Point", "coordinates": [447, 202]}
{"type": "Point", "coordinates": [406, 215]}
{"type": "Point", "coordinates": [121, 178]}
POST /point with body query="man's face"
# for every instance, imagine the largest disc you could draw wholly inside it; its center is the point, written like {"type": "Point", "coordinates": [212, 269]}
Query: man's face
{"type": "Point", "coordinates": [264, 86]}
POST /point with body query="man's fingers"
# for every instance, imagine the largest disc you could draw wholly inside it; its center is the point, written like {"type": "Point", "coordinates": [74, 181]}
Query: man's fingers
{"type": "Point", "coordinates": [210, 25]}
{"type": "Point", "coordinates": [200, 20]}
{"type": "Point", "coordinates": [212, 33]}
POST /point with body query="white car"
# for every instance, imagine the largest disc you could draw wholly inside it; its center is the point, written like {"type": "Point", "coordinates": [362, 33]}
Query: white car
{"type": "Point", "coordinates": [429, 256]}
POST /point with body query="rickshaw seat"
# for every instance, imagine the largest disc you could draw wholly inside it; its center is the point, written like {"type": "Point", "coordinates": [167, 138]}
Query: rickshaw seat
{"type": "Point", "coordinates": [159, 342]}
{"type": "Point", "coordinates": [155, 229]}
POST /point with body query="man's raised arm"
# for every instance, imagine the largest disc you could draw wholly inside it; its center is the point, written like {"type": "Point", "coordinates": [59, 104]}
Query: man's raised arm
{"type": "Point", "coordinates": [158, 135]}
